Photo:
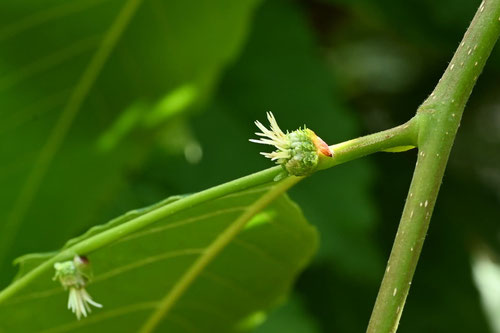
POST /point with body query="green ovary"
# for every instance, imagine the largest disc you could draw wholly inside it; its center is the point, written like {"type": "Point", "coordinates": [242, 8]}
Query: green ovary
{"type": "Point", "coordinates": [303, 153]}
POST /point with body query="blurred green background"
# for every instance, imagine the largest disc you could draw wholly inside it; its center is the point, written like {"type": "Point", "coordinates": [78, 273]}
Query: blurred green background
{"type": "Point", "coordinates": [171, 109]}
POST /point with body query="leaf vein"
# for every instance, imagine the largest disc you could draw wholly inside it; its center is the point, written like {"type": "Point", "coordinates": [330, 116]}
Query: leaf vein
{"type": "Point", "coordinates": [146, 261]}
{"type": "Point", "coordinates": [263, 254]}
{"type": "Point", "coordinates": [52, 60]}
{"type": "Point", "coordinates": [228, 284]}
{"type": "Point", "coordinates": [180, 223]}
{"type": "Point", "coordinates": [101, 316]}
{"type": "Point", "coordinates": [41, 17]}
{"type": "Point", "coordinates": [33, 110]}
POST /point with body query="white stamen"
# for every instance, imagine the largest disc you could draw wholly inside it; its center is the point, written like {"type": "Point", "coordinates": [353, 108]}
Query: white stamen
{"type": "Point", "coordinates": [78, 302]}
{"type": "Point", "coordinates": [273, 137]}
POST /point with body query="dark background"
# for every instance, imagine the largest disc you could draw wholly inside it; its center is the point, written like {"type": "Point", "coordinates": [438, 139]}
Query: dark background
{"type": "Point", "coordinates": [344, 68]}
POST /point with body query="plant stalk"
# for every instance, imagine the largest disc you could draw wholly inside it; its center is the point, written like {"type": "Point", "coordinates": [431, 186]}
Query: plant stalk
{"type": "Point", "coordinates": [438, 121]}
{"type": "Point", "coordinates": [404, 135]}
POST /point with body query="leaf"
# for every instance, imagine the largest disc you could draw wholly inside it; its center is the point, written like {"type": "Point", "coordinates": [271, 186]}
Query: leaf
{"type": "Point", "coordinates": [134, 273]}
{"type": "Point", "coordinates": [78, 81]}
{"type": "Point", "coordinates": [399, 149]}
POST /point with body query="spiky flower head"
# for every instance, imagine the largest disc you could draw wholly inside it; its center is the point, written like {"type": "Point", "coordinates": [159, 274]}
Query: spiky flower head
{"type": "Point", "coordinates": [298, 152]}
{"type": "Point", "coordinates": [75, 275]}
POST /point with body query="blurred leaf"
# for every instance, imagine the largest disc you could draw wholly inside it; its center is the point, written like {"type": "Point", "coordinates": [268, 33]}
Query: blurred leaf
{"type": "Point", "coordinates": [132, 274]}
{"type": "Point", "coordinates": [487, 278]}
{"type": "Point", "coordinates": [84, 87]}
{"type": "Point", "coordinates": [290, 318]}
{"type": "Point", "coordinates": [423, 22]}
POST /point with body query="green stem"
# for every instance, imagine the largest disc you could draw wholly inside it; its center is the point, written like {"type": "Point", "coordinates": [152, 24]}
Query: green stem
{"type": "Point", "coordinates": [399, 138]}
{"type": "Point", "coordinates": [404, 135]}
{"type": "Point", "coordinates": [438, 121]}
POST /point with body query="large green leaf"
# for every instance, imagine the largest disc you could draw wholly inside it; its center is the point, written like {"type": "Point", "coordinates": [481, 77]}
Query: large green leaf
{"type": "Point", "coordinates": [79, 80]}
{"type": "Point", "coordinates": [252, 273]}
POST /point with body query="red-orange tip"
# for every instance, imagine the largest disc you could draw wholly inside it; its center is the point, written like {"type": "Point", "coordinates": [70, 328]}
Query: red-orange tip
{"type": "Point", "coordinates": [322, 147]}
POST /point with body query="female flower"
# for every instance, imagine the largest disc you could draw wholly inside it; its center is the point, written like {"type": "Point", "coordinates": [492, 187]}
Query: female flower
{"type": "Point", "coordinates": [298, 152]}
